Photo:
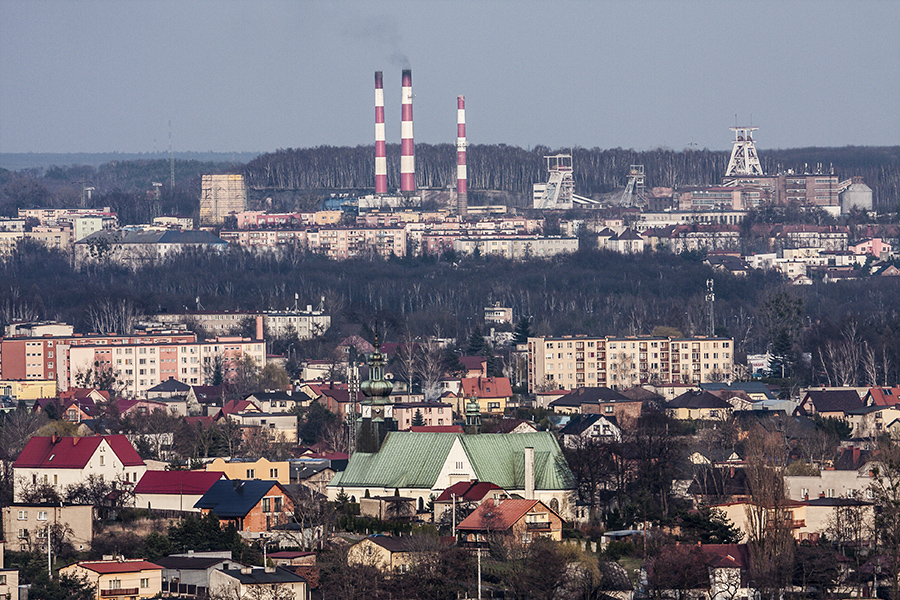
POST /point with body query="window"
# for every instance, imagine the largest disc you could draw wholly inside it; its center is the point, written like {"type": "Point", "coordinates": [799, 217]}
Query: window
{"type": "Point", "coordinates": [22, 515]}
{"type": "Point", "coordinates": [115, 584]}
{"type": "Point", "coordinates": [42, 515]}
{"type": "Point", "coordinates": [273, 473]}
{"type": "Point", "coordinates": [22, 534]}
{"type": "Point", "coordinates": [251, 473]}
{"type": "Point", "coordinates": [145, 582]}
{"type": "Point", "coordinates": [267, 505]}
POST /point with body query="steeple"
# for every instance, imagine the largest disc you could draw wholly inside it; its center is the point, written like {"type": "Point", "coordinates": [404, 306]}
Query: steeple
{"type": "Point", "coordinates": [473, 416]}
{"type": "Point", "coordinates": [377, 408]}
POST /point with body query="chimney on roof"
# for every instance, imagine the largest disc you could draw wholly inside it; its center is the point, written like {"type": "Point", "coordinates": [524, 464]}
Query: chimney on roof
{"type": "Point", "coordinates": [54, 438]}
{"type": "Point", "coordinates": [529, 473]}
{"type": "Point", "coordinates": [270, 569]}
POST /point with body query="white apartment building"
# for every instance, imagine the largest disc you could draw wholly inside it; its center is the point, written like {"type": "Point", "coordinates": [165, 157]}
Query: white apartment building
{"type": "Point", "coordinates": [622, 362]}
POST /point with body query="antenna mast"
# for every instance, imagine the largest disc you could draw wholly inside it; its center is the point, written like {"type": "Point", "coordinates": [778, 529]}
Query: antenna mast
{"type": "Point", "coordinates": [171, 158]}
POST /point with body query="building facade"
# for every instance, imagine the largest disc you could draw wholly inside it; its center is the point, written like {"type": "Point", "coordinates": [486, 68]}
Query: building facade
{"type": "Point", "coordinates": [623, 362]}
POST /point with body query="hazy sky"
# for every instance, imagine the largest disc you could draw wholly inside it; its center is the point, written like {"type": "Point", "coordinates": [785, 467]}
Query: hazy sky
{"type": "Point", "coordinates": [109, 75]}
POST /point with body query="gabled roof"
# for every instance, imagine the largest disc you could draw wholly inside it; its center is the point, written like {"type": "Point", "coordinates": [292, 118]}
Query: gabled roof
{"type": "Point", "coordinates": [467, 491]}
{"type": "Point", "coordinates": [277, 395]}
{"type": "Point", "coordinates": [239, 406]}
{"type": "Point", "coordinates": [826, 401]}
{"type": "Point", "coordinates": [510, 425]}
{"type": "Point", "coordinates": [591, 395]}
{"type": "Point", "coordinates": [750, 387]}
{"type": "Point", "coordinates": [730, 556]}
{"type": "Point", "coordinates": [883, 396]}
{"type": "Point", "coordinates": [579, 423]}
{"type": "Point", "coordinates": [472, 363]}
{"type": "Point", "coordinates": [498, 516]}
{"type": "Point", "coordinates": [177, 482]}
{"type": "Point", "coordinates": [261, 576]}
{"type": "Point", "coordinates": [414, 460]}
{"type": "Point", "coordinates": [190, 563]}
{"type": "Point", "coordinates": [696, 400]}
{"type": "Point", "coordinates": [114, 566]}
{"type": "Point", "coordinates": [236, 498]}
{"type": "Point", "coordinates": [391, 543]}
{"type": "Point", "coordinates": [170, 386]}
{"type": "Point", "coordinates": [486, 387]}
{"type": "Point", "coordinates": [44, 452]}
{"type": "Point", "coordinates": [437, 428]}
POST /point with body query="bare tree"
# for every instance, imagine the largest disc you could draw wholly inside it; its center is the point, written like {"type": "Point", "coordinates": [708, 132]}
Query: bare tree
{"type": "Point", "coordinates": [113, 316]}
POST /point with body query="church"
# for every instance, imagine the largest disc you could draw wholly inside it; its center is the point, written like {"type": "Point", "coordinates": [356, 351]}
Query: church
{"type": "Point", "coordinates": [421, 465]}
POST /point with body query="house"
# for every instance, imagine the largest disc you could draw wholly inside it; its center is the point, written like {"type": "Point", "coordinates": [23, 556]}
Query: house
{"type": "Point", "coordinates": [492, 393]}
{"type": "Point", "coordinates": [474, 366]}
{"type": "Point", "coordinates": [755, 390]}
{"type": "Point", "coordinates": [591, 428]}
{"type": "Point", "coordinates": [256, 582]}
{"type": "Point", "coordinates": [254, 506]}
{"type": "Point", "coordinates": [599, 400]}
{"type": "Point", "coordinates": [700, 405]}
{"type": "Point", "coordinates": [872, 420]}
{"type": "Point", "coordinates": [314, 475]}
{"type": "Point", "coordinates": [386, 553]}
{"type": "Point", "coordinates": [852, 482]}
{"type": "Point", "coordinates": [524, 520]}
{"type": "Point", "coordinates": [188, 574]}
{"type": "Point", "coordinates": [421, 465]}
{"type": "Point", "coordinates": [26, 524]}
{"type": "Point", "coordinates": [543, 399]}
{"type": "Point", "coordinates": [279, 401]}
{"type": "Point", "coordinates": [463, 493]}
{"type": "Point", "coordinates": [119, 579]}
{"type": "Point", "coordinates": [262, 468]}
{"type": "Point", "coordinates": [173, 490]}
{"type": "Point", "coordinates": [63, 461]}
{"type": "Point", "coordinates": [277, 427]}
{"type": "Point", "coordinates": [388, 507]}
{"type": "Point", "coordinates": [829, 403]}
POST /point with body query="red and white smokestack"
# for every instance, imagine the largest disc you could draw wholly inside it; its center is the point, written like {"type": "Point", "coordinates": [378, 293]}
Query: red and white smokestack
{"type": "Point", "coordinates": [380, 151]}
{"type": "Point", "coordinates": [407, 148]}
{"type": "Point", "coordinates": [461, 175]}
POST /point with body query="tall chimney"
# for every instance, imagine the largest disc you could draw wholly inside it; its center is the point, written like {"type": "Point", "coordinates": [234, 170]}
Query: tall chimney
{"type": "Point", "coordinates": [462, 202]}
{"type": "Point", "coordinates": [529, 473]}
{"type": "Point", "coordinates": [407, 148]}
{"type": "Point", "coordinates": [380, 153]}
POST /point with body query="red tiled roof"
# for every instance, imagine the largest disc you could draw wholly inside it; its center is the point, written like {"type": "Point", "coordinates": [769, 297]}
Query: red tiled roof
{"type": "Point", "coordinates": [73, 452]}
{"type": "Point", "coordinates": [486, 387]}
{"type": "Point", "coordinates": [882, 396]}
{"type": "Point", "coordinates": [177, 482]}
{"type": "Point", "coordinates": [498, 516]}
{"type": "Point", "coordinates": [467, 491]}
{"type": "Point", "coordinates": [114, 566]}
{"type": "Point", "coordinates": [237, 406]}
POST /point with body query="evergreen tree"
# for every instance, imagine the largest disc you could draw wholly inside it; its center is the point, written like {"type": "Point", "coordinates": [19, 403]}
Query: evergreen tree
{"type": "Point", "coordinates": [418, 419]}
{"type": "Point", "coordinates": [522, 331]}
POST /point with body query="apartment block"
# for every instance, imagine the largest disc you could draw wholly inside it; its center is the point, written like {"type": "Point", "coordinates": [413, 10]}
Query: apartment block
{"type": "Point", "coordinates": [622, 362]}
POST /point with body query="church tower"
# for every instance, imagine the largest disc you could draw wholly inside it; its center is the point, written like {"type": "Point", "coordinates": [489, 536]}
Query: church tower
{"type": "Point", "coordinates": [377, 409]}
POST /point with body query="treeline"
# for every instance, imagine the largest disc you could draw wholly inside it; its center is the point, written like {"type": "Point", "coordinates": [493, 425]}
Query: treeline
{"type": "Point", "coordinates": [597, 171]}
{"type": "Point", "coordinates": [590, 292]}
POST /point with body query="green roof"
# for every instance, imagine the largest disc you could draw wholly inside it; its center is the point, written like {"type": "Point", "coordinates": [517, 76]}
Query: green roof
{"type": "Point", "coordinates": [414, 460]}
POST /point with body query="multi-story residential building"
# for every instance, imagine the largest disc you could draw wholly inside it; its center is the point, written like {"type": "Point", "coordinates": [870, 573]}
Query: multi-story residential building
{"type": "Point", "coordinates": [58, 216]}
{"type": "Point", "coordinates": [137, 248]}
{"type": "Point", "coordinates": [622, 362]}
{"type": "Point", "coordinates": [9, 579]}
{"type": "Point", "coordinates": [497, 314]}
{"type": "Point", "coordinates": [516, 247]}
{"type": "Point", "coordinates": [306, 324]}
{"type": "Point", "coordinates": [26, 524]}
{"type": "Point", "coordinates": [139, 361]}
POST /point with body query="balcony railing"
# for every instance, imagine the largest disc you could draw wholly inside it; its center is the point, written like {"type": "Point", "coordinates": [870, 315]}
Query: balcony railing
{"type": "Point", "coordinates": [538, 525]}
{"type": "Point", "coordinates": [119, 592]}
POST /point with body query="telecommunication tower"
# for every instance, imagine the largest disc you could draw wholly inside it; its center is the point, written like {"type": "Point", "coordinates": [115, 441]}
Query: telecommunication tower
{"type": "Point", "coordinates": [744, 160]}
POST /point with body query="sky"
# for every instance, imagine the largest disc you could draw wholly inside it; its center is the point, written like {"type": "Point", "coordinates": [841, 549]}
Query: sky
{"type": "Point", "coordinates": [259, 75]}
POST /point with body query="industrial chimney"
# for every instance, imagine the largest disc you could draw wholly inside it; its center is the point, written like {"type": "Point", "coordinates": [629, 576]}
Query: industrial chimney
{"type": "Point", "coordinates": [462, 202]}
{"type": "Point", "coordinates": [407, 148]}
{"type": "Point", "coordinates": [380, 153]}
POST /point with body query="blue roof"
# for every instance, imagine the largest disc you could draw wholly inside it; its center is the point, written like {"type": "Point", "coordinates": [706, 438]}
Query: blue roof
{"type": "Point", "coordinates": [235, 498]}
